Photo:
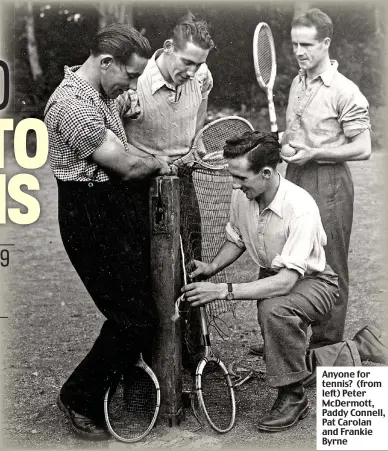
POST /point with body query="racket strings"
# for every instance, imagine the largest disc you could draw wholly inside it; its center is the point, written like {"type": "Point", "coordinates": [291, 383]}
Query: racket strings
{"type": "Point", "coordinates": [217, 396]}
{"type": "Point", "coordinates": [132, 404]}
{"type": "Point", "coordinates": [265, 56]}
{"type": "Point", "coordinates": [210, 143]}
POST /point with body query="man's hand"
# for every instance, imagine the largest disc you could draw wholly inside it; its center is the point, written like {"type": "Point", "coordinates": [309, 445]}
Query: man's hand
{"type": "Point", "coordinates": [174, 169]}
{"type": "Point", "coordinates": [165, 165]}
{"type": "Point", "coordinates": [136, 165]}
{"type": "Point", "coordinates": [201, 293]}
{"type": "Point", "coordinates": [203, 270]}
{"type": "Point", "coordinates": [303, 154]}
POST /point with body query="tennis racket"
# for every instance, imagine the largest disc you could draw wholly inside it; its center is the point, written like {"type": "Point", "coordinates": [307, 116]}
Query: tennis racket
{"type": "Point", "coordinates": [264, 58]}
{"type": "Point", "coordinates": [207, 147]}
{"type": "Point", "coordinates": [213, 385]}
{"type": "Point", "coordinates": [132, 405]}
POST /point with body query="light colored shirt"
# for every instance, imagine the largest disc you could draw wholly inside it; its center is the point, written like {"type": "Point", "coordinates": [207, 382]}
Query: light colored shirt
{"type": "Point", "coordinates": [77, 117]}
{"type": "Point", "coordinates": [128, 103]}
{"type": "Point", "coordinates": [327, 111]}
{"type": "Point", "coordinates": [288, 233]}
{"type": "Point", "coordinates": [161, 117]}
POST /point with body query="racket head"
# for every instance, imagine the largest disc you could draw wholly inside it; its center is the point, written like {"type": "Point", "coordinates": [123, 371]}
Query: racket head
{"type": "Point", "coordinates": [215, 394]}
{"type": "Point", "coordinates": [209, 142]}
{"type": "Point", "coordinates": [264, 56]}
{"type": "Point", "coordinates": [131, 406]}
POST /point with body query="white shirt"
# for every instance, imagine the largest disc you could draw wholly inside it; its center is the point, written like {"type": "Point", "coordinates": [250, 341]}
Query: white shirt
{"type": "Point", "coordinates": [288, 233]}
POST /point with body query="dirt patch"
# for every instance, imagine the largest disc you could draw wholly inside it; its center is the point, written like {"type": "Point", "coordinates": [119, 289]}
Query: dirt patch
{"type": "Point", "coordinates": [53, 322]}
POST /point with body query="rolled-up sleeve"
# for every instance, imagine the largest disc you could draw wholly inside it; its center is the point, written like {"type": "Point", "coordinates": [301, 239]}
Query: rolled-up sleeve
{"type": "Point", "coordinates": [301, 246]}
{"type": "Point", "coordinates": [354, 113]}
{"type": "Point", "coordinates": [127, 104]}
{"type": "Point", "coordinates": [233, 235]}
{"type": "Point", "coordinates": [82, 136]}
{"type": "Point", "coordinates": [205, 80]}
{"type": "Point", "coordinates": [232, 230]}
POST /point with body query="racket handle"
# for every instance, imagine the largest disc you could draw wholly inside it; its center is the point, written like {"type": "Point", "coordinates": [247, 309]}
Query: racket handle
{"type": "Point", "coordinates": [272, 113]}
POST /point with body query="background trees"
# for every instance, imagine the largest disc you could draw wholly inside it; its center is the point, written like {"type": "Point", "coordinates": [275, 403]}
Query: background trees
{"type": "Point", "coordinates": [46, 36]}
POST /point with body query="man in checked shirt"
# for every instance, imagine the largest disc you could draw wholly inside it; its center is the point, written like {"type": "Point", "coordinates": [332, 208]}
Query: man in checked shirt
{"type": "Point", "coordinates": [327, 122]}
{"type": "Point", "coordinates": [103, 214]}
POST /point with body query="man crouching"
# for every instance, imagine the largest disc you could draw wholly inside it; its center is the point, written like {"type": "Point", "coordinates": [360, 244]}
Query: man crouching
{"type": "Point", "coordinates": [279, 224]}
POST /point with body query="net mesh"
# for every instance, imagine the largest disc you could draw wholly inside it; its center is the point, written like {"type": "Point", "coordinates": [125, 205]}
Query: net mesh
{"type": "Point", "coordinates": [132, 404]}
{"type": "Point", "coordinates": [217, 397]}
{"type": "Point", "coordinates": [205, 203]}
{"type": "Point", "coordinates": [265, 60]}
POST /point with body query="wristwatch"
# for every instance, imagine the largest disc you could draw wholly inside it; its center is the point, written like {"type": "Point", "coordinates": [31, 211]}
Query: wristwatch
{"type": "Point", "coordinates": [230, 295]}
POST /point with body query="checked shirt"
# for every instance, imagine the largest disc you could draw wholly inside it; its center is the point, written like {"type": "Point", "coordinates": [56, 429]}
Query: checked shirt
{"type": "Point", "coordinates": [77, 117]}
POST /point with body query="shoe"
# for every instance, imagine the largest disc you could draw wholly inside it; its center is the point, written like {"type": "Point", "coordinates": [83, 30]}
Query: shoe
{"type": "Point", "coordinates": [83, 426]}
{"type": "Point", "coordinates": [257, 350]}
{"type": "Point", "coordinates": [370, 345]}
{"type": "Point", "coordinates": [290, 406]}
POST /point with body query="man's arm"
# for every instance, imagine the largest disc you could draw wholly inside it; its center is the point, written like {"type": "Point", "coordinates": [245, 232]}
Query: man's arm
{"type": "Point", "coordinates": [278, 285]}
{"type": "Point", "coordinates": [228, 253]}
{"type": "Point", "coordinates": [359, 148]}
{"type": "Point", "coordinates": [83, 128]}
{"type": "Point", "coordinates": [201, 293]}
{"type": "Point", "coordinates": [112, 156]}
{"type": "Point", "coordinates": [291, 264]}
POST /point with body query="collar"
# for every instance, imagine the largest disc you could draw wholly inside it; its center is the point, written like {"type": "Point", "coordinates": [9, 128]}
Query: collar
{"type": "Point", "coordinates": [72, 76]}
{"type": "Point", "coordinates": [157, 79]}
{"type": "Point", "coordinates": [277, 202]}
{"type": "Point", "coordinates": [327, 76]}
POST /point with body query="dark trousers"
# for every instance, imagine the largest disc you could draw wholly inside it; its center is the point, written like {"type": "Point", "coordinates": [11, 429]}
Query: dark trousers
{"type": "Point", "coordinates": [331, 187]}
{"type": "Point", "coordinates": [105, 231]}
{"type": "Point", "coordinates": [284, 321]}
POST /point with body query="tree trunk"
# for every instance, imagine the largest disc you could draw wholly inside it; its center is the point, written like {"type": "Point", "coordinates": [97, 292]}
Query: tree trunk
{"type": "Point", "coordinates": [32, 47]}
{"type": "Point", "coordinates": [301, 8]}
{"type": "Point", "coordinates": [115, 13]}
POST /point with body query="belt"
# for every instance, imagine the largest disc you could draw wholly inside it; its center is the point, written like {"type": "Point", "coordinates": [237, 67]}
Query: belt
{"type": "Point", "coordinates": [102, 186]}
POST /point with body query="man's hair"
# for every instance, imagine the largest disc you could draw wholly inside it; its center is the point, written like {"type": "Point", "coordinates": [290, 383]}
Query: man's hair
{"type": "Point", "coordinates": [261, 149]}
{"type": "Point", "coordinates": [318, 19]}
{"type": "Point", "coordinates": [191, 29]}
{"type": "Point", "coordinates": [121, 41]}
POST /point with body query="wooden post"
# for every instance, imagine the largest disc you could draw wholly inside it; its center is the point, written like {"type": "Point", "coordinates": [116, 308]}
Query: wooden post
{"type": "Point", "coordinates": [166, 283]}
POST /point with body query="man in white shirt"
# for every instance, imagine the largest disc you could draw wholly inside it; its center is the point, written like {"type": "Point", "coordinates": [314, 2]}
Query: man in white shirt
{"type": "Point", "coordinates": [280, 226]}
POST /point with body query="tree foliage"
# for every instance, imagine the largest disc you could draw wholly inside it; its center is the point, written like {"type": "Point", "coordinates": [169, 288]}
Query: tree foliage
{"type": "Point", "coordinates": [63, 30]}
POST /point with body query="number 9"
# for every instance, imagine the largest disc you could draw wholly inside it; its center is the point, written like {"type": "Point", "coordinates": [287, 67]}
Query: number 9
{"type": "Point", "coordinates": [4, 257]}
